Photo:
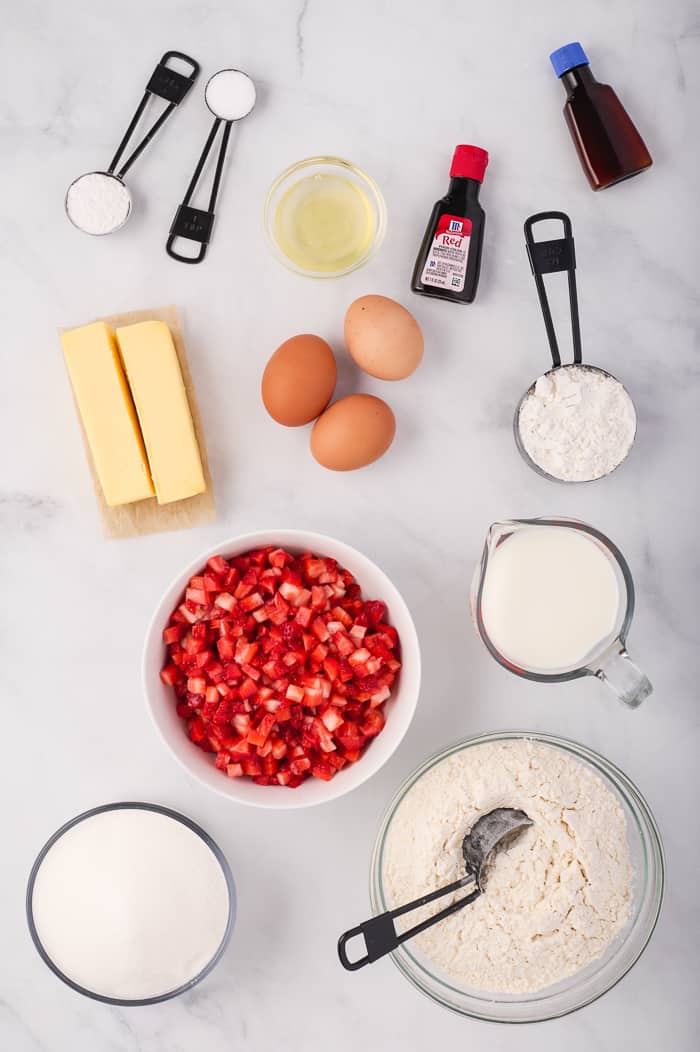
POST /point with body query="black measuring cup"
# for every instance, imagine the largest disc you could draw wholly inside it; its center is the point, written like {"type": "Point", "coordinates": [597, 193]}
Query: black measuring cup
{"type": "Point", "coordinates": [551, 257]}
{"type": "Point", "coordinates": [165, 83]}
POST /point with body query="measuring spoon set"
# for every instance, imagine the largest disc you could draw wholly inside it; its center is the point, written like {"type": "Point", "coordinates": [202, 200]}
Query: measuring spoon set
{"type": "Point", "coordinates": [99, 202]}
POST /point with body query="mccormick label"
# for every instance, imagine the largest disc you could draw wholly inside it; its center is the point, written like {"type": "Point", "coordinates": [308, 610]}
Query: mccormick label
{"type": "Point", "coordinates": [446, 265]}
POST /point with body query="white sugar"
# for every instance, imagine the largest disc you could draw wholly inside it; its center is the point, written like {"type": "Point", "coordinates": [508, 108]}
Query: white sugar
{"type": "Point", "coordinates": [130, 904]}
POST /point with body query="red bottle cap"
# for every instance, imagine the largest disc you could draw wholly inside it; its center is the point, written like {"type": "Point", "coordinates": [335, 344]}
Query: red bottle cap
{"type": "Point", "coordinates": [469, 162]}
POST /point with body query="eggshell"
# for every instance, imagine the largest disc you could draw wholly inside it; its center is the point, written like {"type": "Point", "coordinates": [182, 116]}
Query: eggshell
{"type": "Point", "coordinates": [353, 432]}
{"type": "Point", "coordinates": [299, 380]}
{"type": "Point", "coordinates": [383, 337]}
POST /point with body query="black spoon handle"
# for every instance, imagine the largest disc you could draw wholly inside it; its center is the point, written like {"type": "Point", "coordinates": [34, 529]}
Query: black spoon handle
{"type": "Point", "coordinates": [380, 934]}
{"type": "Point", "coordinates": [195, 224]}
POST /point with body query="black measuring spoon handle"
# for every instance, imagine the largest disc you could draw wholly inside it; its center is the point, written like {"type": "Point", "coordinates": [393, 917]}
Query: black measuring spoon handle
{"type": "Point", "coordinates": [550, 257]}
{"type": "Point", "coordinates": [195, 224]}
{"type": "Point", "coordinates": [165, 83]}
{"type": "Point", "coordinates": [380, 934]}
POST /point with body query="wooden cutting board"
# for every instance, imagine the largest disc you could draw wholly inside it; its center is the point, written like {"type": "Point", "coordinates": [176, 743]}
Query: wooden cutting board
{"type": "Point", "coordinates": [148, 516]}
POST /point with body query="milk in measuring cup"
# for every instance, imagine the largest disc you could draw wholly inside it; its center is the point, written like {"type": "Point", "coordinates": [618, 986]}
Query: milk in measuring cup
{"type": "Point", "coordinates": [550, 598]}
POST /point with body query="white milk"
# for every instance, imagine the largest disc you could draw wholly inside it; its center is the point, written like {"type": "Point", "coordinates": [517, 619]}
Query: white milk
{"type": "Point", "coordinates": [130, 904]}
{"type": "Point", "coordinates": [550, 598]}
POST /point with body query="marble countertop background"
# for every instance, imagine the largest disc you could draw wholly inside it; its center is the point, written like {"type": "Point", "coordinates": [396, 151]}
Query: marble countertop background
{"type": "Point", "coordinates": [393, 87]}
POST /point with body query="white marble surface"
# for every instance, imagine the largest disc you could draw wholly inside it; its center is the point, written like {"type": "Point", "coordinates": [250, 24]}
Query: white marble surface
{"type": "Point", "coordinates": [394, 87]}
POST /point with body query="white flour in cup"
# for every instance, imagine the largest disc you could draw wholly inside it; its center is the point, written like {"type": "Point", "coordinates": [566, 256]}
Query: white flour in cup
{"type": "Point", "coordinates": [577, 424]}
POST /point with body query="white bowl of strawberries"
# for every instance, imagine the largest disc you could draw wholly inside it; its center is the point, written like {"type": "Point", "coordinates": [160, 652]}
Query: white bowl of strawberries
{"type": "Point", "coordinates": [282, 668]}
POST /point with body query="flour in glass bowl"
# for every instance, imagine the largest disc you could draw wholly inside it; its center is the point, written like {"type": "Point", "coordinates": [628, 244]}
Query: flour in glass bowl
{"type": "Point", "coordinates": [577, 423]}
{"type": "Point", "coordinates": [555, 899]}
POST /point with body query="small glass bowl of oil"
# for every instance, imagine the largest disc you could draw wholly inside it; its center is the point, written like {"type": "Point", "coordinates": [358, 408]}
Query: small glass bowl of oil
{"type": "Point", "coordinates": [324, 217]}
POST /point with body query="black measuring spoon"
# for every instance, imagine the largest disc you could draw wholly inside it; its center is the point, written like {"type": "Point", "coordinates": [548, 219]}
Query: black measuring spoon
{"type": "Point", "coordinates": [488, 832]}
{"type": "Point", "coordinates": [230, 96]}
{"type": "Point", "coordinates": [109, 186]}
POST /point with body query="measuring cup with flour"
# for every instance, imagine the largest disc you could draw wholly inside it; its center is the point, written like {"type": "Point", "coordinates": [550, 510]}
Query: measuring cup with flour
{"type": "Point", "coordinates": [100, 202]}
{"type": "Point", "coordinates": [575, 423]}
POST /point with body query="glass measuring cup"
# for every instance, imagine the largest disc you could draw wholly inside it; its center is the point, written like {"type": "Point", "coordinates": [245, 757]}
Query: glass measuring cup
{"type": "Point", "coordinates": [607, 659]}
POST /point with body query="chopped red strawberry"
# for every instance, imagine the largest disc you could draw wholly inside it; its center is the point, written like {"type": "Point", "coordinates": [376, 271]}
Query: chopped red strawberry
{"type": "Point", "coordinates": [278, 666]}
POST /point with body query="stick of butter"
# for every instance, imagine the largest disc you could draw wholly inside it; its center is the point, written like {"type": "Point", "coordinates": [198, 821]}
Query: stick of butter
{"type": "Point", "coordinates": [107, 413]}
{"type": "Point", "coordinates": [153, 371]}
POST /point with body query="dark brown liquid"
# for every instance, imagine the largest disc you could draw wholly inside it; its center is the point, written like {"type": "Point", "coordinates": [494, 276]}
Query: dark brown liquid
{"type": "Point", "coordinates": [609, 146]}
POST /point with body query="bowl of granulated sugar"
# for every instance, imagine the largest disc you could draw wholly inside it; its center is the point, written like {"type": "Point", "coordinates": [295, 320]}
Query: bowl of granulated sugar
{"type": "Point", "coordinates": [131, 903]}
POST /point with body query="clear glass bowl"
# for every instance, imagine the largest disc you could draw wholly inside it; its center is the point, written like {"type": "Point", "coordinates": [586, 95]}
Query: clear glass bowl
{"type": "Point", "coordinates": [585, 986]}
{"type": "Point", "coordinates": [311, 166]}
{"type": "Point", "coordinates": [194, 828]}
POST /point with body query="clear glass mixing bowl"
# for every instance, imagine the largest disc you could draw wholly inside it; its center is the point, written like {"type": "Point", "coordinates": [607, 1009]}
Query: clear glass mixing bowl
{"type": "Point", "coordinates": [580, 989]}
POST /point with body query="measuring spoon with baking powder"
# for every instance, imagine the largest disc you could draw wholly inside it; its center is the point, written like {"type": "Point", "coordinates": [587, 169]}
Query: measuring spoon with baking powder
{"type": "Point", "coordinates": [491, 831]}
{"type": "Point", "coordinates": [230, 96]}
{"type": "Point", "coordinates": [99, 202]}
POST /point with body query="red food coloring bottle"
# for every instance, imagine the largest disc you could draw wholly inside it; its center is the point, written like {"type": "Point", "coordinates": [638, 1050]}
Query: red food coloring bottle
{"type": "Point", "coordinates": [609, 146]}
{"type": "Point", "coordinates": [449, 260]}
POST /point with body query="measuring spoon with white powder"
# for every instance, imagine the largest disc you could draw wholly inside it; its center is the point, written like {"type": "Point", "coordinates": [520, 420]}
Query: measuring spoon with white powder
{"type": "Point", "coordinates": [99, 202]}
{"type": "Point", "coordinates": [230, 96]}
{"type": "Point", "coordinates": [491, 831]}
{"type": "Point", "coordinates": [576, 423]}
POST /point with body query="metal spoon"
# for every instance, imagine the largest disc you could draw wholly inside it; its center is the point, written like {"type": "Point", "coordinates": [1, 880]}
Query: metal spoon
{"type": "Point", "coordinates": [490, 831]}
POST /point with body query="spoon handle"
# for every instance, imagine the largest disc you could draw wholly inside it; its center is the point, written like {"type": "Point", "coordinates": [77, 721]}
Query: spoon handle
{"type": "Point", "coordinates": [380, 934]}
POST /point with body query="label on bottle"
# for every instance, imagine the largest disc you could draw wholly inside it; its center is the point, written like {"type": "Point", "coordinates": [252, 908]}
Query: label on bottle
{"type": "Point", "coordinates": [446, 264]}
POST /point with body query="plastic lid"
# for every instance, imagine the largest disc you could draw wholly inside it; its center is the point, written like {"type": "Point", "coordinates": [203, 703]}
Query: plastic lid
{"type": "Point", "coordinates": [469, 162]}
{"type": "Point", "coordinates": [567, 57]}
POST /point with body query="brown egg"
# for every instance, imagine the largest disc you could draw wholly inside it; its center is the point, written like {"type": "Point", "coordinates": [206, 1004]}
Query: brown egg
{"type": "Point", "coordinates": [353, 432]}
{"type": "Point", "coordinates": [299, 380]}
{"type": "Point", "coordinates": [383, 337]}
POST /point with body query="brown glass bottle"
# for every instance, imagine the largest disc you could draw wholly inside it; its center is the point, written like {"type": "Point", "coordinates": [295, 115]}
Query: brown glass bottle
{"type": "Point", "coordinates": [609, 146]}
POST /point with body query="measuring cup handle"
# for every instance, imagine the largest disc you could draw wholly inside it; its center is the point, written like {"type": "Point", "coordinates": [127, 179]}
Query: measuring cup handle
{"type": "Point", "coordinates": [380, 935]}
{"type": "Point", "coordinates": [624, 678]}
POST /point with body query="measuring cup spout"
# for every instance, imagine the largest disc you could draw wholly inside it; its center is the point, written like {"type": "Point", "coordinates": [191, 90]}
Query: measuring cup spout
{"type": "Point", "coordinates": [625, 679]}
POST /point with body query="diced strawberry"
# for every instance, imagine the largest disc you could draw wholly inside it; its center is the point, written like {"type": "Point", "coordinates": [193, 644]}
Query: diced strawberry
{"type": "Point", "coordinates": [187, 613]}
{"type": "Point", "coordinates": [226, 648]}
{"type": "Point", "coordinates": [319, 629]}
{"type": "Point", "coordinates": [331, 718]}
{"type": "Point", "coordinates": [225, 601]}
{"type": "Point", "coordinates": [218, 565]}
{"type": "Point", "coordinates": [300, 765]}
{"type": "Point", "coordinates": [294, 693]}
{"type": "Point", "coordinates": [304, 616]}
{"type": "Point", "coordinates": [373, 723]}
{"type": "Point", "coordinates": [196, 685]}
{"type": "Point", "coordinates": [245, 651]}
{"type": "Point", "coordinates": [343, 644]}
{"type": "Point", "coordinates": [284, 777]}
{"type": "Point", "coordinates": [322, 770]}
{"type": "Point", "coordinates": [173, 633]}
{"type": "Point", "coordinates": [170, 675]}
{"type": "Point", "coordinates": [259, 734]}
{"type": "Point", "coordinates": [234, 770]}
{"type": "Point", "coordinates": [197, 596]}
{"type": "Point", "coordinates": [278, 557]}
{"type": "Point", "coordinates": [252, 766]}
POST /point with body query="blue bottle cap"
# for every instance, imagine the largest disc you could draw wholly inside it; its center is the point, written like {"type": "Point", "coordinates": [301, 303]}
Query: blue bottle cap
{"type": "Point", "coordinates": [565, 58]}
